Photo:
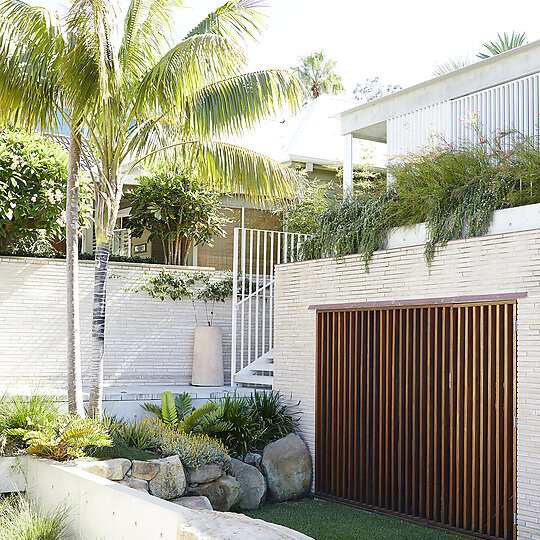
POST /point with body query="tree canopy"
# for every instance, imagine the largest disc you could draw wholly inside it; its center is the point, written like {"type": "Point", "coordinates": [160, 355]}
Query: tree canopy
{"type": "Point", "coordinates": [318, 73]}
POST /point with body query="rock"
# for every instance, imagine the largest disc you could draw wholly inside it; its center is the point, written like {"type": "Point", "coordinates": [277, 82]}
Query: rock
{"type": "Point", "coordinates": [145, 470]}
{"type": "Point", "coordinates": [111, 469]}
{"type": "Point", "coordinates": [135, 483]}
{"type": "Point", "coordinates": [195, 502]}
{"type": "Point", "coordinates": [223, 493]}
{"type": "Point", "coordinates": [252, 484]}
{"type": "Point", "coordinates": [286, 463]}
{"type": "Point", "coordinates": [205, 473]}
{"type": "Point", "coordinates": [252, 458]}
{"type": "Point", "coordinates": [170, 481]}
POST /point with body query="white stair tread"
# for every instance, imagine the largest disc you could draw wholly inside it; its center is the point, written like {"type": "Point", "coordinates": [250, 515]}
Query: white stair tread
{"type": "Point", "coordinates": [261, 367]}
{"type": "Point", "coordinates": [263, 380]}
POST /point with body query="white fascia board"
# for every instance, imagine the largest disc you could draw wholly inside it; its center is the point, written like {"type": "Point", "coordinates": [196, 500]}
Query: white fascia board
{"type": "Point", "coordinates": [505, 67]}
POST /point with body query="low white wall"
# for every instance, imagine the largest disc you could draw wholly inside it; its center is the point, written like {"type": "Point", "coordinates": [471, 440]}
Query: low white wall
{"type": "Point", "coordinates": [521, 218]}
{"type": "Point", "coordinates": [147, 341]}
{"type": "Point", "coordinates": [101, 509]}
{"type": "Point", "coordinates": [12, 474]}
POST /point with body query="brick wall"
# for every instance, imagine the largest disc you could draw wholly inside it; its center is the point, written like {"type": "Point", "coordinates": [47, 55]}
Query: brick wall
{"type": "Point", "coordinates": [147, 341]}
{"type": "Point", "coordinates": [499, 263]}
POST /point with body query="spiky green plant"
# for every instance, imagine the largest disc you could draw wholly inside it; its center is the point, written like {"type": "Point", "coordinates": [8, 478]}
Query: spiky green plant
{"type": "Point", "coordinates": [21, 520]}
{"type": "Point", "coordinates": [504, 42]}
{"type": "Point", "coordinates": [63, 438]}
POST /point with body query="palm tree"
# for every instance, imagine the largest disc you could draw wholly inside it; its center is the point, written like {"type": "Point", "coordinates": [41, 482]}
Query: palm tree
{"type": "Point", "coordinates": [503, 43]}
{"type": "Point", "coordinates": [138, 99]}
{"type": "Point", "coordinates": [44, 106]}
{"type": "Point", "coordinates": [318, 74]}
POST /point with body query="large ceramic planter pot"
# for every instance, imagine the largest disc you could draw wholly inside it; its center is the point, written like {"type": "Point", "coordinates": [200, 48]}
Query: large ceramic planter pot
{"type": "Point", "coordinates": [207, 357]}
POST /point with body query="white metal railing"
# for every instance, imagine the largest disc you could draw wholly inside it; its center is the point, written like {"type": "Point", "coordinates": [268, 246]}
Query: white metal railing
{"type": "Point", "coordinates": [256, 252]}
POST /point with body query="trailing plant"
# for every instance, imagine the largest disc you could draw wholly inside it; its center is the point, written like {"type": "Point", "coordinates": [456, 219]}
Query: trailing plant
{"type": "Point", "coordinates": [63, 438]}
{"type": "Point", "coordinates": [175, 207]}
{"type": "Point", "coordinates": [194, 450]}
{"type": "Point", "coordinates": [21, 520]}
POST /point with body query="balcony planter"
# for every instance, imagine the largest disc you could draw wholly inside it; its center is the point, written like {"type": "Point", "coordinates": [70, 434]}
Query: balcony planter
{"type": "Point", "coordinates": [207, 357]}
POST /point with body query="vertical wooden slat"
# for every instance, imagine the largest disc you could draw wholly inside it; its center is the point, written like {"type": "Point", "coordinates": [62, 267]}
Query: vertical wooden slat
{"type": "Point", "coordinates": [414, 412]}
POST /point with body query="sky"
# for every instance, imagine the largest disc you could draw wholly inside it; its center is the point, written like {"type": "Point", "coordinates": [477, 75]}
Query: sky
{"type": "Point", "coordinates": [399, 41]}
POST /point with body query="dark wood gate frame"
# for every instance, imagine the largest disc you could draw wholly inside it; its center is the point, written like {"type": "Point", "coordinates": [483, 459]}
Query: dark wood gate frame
{"type": "Point", "coordinates": [429, 489]}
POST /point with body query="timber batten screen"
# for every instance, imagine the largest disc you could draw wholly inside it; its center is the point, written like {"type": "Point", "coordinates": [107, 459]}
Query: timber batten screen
{"type": "Point", "coordinates": [415, 413]}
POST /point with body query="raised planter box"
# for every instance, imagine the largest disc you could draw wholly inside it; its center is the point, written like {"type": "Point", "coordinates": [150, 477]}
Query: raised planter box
{"type": "Point", "coordinates": [12, 474]}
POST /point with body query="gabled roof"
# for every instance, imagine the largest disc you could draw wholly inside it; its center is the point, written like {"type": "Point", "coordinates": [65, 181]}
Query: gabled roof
{"type": "Point", "coordinates": [311, 136]}
{"type": "Point", "coordinates": [368, 121]}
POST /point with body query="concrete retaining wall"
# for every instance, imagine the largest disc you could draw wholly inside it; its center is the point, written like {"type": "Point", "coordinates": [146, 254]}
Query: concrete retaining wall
{"type": "Point", "coordinates": [101, 509]}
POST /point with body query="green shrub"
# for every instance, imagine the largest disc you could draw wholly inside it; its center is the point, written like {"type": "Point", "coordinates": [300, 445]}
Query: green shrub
{"type": "Point", "coordinates": [63, 438]}
{"type": "Point", "coordinates": [20, 520]}
{"type": "Point", "coordinates": [193, 450]}
{"type": "Point", "coordinates": [24, 412]}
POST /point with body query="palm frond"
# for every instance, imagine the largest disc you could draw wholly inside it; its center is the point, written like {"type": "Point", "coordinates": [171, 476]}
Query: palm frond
{"type": "Point", "coordinates": [189, 423]}
{"type": "Point", "coordinates": [229, 106]}
{"type": "Point", "coordinates": [236, 19]}
{"type": "Point", "coordinates": [184, 405]}
{"type": "Point", "coordinates": [168, 409]}
{"type": "Point", "coordinates": [192, 63]}
{"type": "Point", "coordinates": [451, 65]}
{"type": "Point", "coordinates": [503, 43]}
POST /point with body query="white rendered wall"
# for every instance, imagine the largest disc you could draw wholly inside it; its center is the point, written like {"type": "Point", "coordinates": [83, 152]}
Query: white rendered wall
{"type": "Point", "coordinates": [147, 341]}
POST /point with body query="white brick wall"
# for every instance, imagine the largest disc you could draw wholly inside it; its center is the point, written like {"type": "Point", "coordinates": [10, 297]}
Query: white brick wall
{"type": "Point", "coordinates": [500, 263]}
{"type": "Point", "coordinates": [147, 340]}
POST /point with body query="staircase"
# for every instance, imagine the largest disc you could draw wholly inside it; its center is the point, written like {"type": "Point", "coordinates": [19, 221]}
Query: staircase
{"type": "Point", "coordinates": [256, 252]}
{"type": "Point", "coordinates": [259, 373]}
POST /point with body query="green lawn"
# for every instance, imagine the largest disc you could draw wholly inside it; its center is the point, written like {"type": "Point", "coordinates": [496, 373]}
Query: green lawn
{"type": "Point", "coordinates": [324, 520]}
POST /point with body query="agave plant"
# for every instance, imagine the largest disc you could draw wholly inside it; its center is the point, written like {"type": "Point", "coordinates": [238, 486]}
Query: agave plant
{"type": "Point", "coordinates": [63, 438]}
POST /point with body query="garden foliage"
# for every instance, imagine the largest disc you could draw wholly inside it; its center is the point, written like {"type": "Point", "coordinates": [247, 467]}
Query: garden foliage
{"type": "Point", "coordinates": [454, 188]}
{"type": "Point", "coordinates": [33, 176]}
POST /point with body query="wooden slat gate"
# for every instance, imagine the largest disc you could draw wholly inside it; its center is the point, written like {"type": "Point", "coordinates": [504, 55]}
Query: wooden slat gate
{"type": "Point", "coordinates": [415, 413]}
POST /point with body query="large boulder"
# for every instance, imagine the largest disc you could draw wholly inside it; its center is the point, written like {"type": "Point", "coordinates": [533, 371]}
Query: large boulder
{"type": "Point", "coordinates": [252, 483]}
{"type": "Point", "coordinates": [145, 470]}
{"type": "Point", "coordinates": [205, 473]}
{"type": "Point", "coordinates": [111, 469]}
{"type": "Point", "coordinates": [286, 463]}
{"type": "Point", "coordinates": [252, 458]}
{"type": "Point", "coordinates": [135, 483]}
{"type": "Point", "coordinates": [194, 503]}
{"type": "Point", "coordinates": [170, 480]}
{"type": "Point", "coordinates": [223, 493]}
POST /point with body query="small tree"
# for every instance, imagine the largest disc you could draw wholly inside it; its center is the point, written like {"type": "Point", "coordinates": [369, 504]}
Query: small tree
{"type": "Point", "coordinates": [373, 88]}
{"type": "Point", "coordinates": [318, 74]}
{"type": "Point", "coordinates": [176, 208]}
{"type": "Point", "coordinates": [33, 176]}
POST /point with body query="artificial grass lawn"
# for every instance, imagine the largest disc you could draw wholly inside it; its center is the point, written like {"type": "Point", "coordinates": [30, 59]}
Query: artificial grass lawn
{"type": "Point", "coordinates": [325, 520]}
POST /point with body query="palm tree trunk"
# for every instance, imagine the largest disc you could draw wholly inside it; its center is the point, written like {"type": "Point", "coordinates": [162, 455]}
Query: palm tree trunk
{"type": "Point", "coordinates": [74, 378]}
{"type": "Point", "coordinates": [98, 329]}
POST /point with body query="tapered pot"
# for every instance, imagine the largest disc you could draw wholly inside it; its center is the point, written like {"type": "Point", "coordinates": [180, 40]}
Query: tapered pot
{"type": "Point", "coordinates": [207, 357]}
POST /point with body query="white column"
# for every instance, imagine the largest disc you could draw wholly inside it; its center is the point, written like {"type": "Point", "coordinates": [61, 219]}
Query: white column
{"type": "Point", "coordinates": [347, 166]}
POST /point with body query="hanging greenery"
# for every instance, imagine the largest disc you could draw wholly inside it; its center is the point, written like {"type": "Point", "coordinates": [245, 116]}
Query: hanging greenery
{"type": "Point", "coordinates": [454, 188]}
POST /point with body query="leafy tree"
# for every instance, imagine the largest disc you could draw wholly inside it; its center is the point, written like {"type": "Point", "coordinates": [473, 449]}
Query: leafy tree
{"type": "Point", "coordinates": [133, 98]}
{"type": "Point", "coordinates": [33, 173]}
{"type": "Point", "coordinates": [372, 88]}
{"type": "Point", "coordinates": [176, 208]}
{"type": "Point", "coordinates": [318, 74]}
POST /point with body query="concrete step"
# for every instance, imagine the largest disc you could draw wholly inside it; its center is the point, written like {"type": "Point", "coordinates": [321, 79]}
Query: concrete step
{"type": "Point", "coordinates": [262, 366]}
{"type": "Point", "coordinates": [262, 380]}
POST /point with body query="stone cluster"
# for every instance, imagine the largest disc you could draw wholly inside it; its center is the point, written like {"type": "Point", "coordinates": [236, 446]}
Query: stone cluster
{"type": "Point", "coordinates": [283, 472]}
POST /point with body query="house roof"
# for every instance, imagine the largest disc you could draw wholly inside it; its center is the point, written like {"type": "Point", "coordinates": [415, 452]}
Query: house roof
{"type": "Point", "coordinates": [312, 136]}
{"type": "Point", "coordinates": [368, 121]}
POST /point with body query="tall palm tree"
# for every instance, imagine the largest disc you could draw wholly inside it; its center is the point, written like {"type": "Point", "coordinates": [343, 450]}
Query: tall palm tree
{"type": "Point", "coordinates": [43, 106]}
{"type": "Point", "coordinates": [138, 98]}
{"type": "Point", "coordinates": [318, 74]}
